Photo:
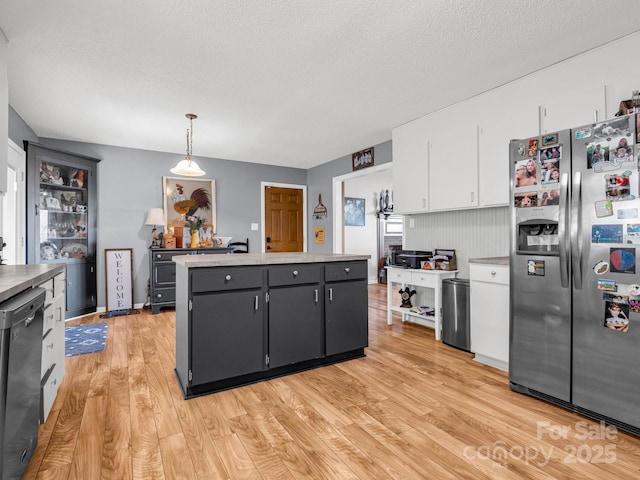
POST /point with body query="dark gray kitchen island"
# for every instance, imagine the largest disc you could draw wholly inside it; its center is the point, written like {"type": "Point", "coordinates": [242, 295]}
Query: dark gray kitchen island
{"type": "Point", "coordinates": [246, 318]}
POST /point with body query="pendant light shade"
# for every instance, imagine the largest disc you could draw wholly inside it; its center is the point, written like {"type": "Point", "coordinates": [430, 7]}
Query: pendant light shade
{"type": "Point", "coordinates": [188, 167]}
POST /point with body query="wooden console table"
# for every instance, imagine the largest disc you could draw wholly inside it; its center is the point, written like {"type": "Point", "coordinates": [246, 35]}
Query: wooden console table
{"type": "Point", "coordinates": [415, 278]}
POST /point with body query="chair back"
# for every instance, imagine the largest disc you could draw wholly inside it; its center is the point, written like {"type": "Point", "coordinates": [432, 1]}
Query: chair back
{"type": "Point", "coordinates": [239, 247]}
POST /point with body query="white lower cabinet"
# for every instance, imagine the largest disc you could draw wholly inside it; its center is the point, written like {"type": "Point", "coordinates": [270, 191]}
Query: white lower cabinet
{"type": "Point", "coordinates": [53, 352]}
{"type": "Point", "coordinates": [490, 314]}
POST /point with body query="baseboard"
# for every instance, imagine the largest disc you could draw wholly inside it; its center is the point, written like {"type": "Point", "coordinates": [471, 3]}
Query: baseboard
{"type": "Point", "coordinates": [492, 362]}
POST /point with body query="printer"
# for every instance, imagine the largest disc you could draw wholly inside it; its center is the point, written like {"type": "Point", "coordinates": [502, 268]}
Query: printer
{"type": "Point", "coordinates": [410, 258]}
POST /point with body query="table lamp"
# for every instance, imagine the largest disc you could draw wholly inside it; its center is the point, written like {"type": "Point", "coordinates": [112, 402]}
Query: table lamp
{"type": "Point", "coordinates": [155, 218]}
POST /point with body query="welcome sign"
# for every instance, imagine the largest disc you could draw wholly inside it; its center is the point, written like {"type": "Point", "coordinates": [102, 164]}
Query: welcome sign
{"type": "Point", "coordinates": [119, 279]}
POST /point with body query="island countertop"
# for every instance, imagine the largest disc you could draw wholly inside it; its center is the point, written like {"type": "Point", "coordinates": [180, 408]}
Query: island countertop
{"type": "Point", "coordinates": [18, 278]}
{"type": "Point", "coordinates": [276, 258]}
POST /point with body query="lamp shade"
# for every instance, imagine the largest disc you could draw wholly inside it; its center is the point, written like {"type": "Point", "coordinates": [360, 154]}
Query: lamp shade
{"type": "Point", "coordinates": [155, 217]}
{"type": "Point", "coordinates": [187, 168]}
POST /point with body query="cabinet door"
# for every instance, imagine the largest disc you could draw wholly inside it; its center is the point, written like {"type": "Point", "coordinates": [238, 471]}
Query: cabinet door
{"type": "Point", "coordinates": [410, 167]}
{"type": "Point", "coordinates": [81, 289]}
{"type": "Point", "coordinates": [490, 320]}
{"type": "Point", "coordinates": [227, 335]}
{"type": "Point", "coordinates": [494, 135]}
{"type": "Point", "coordinates": [573, 107]}
{"type": "Point", "coordinates": [346, 316]}
{"type": "Point", "coordinates": [453, 165]}
{"type": "Point", "coordinates": [295, 324]}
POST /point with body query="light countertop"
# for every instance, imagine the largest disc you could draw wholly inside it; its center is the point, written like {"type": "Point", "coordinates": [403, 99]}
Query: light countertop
{"type": "Point", "coordinates": [214, 260]}
{"type": "Point", "coordinates": [491, 260]}
{"type": "Point", "coordinates": [18, 278]}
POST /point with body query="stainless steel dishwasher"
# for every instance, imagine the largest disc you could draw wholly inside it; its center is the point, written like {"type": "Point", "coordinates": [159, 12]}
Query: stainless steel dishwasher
{"type": "Point", "coordinates": [21, 320]}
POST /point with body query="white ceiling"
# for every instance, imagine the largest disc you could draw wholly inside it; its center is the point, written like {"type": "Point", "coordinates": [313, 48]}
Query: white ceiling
{"type": "Point", "coordinates": [293, 83]}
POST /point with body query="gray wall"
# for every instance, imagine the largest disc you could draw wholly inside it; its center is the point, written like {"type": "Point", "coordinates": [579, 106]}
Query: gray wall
{"type": "Point", "coordinates": [130, 183]}
{"type": "Point", "coordinates": [320, 181]}
{"type": "Point", "coordinates": [19, 130]}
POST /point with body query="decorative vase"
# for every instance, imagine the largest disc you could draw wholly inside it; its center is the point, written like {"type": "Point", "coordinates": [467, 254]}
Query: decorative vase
{"type": "Point", "coordinates": [194, 239]}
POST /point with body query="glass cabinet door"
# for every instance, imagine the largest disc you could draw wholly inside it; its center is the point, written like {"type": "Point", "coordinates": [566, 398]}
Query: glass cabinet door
{"type": "Point", "coordinates": [63, 210]}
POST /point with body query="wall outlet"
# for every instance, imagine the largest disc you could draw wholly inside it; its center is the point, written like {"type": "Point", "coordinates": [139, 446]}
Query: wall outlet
{"type": "Point", "coordinates": [254, 227]}
{"type": "Point", "coordinates": [412, 223]}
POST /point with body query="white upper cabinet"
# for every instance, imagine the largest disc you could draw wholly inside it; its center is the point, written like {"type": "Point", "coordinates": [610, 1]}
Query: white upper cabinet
{"type": "Point", "coordinates": [453, 162]}
{"type": "Point", "coordinates": [462, 152]}
{"type": "Point", "coordinates": [574, 107]}
{"type": "Point", "coordinates": [410, 167]}
{"type": "Point", "coordinates": [497, 128]}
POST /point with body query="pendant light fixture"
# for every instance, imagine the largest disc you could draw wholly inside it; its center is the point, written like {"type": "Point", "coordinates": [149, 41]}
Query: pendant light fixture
{"type": "Point", "coordinates": [188, 167]}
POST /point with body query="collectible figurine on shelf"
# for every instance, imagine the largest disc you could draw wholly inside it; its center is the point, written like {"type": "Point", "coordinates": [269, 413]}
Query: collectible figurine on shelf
{"type": "Point", "coordinates": [406, 295]}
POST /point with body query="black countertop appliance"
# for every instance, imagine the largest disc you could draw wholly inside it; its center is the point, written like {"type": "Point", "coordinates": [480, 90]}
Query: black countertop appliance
{"type": "Point", "coordinates": [410, 258]}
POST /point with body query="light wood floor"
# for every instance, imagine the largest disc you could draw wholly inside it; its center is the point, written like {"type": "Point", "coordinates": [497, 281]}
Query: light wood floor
{"type": "Point", "coordinates": [413, 408]}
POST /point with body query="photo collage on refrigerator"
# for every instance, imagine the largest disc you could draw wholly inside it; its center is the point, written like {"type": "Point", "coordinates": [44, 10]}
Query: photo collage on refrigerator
{"type": "Point", "coordinates": [537, 173]}
{"type": "Point", "coordinates": [612, 156]}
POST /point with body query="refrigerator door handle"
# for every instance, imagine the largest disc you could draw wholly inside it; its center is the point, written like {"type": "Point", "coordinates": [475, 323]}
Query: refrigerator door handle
{"type": "Point", "coordinates": [563, 230]}
{"type": "Point", "coordinates": [576, 229]}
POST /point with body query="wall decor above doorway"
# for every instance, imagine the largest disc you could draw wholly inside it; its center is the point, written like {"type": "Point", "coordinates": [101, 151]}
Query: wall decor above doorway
{"type": "Point", "coordinates": [362, 159]}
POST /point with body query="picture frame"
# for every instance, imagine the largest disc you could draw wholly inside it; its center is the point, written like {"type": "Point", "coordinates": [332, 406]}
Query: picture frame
{"type": "Point", "coordinates": [119, 279]}
{"type": "Point", "coordinates": [362, 159]}
{"type": "Point", "coordinates": [354, 212]}
{"type": "Point", "coordinates": [179, 189]}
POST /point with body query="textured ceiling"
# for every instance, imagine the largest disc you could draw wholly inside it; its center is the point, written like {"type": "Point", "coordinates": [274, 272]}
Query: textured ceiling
{"type": "Point", "coordinates": [292, 83]}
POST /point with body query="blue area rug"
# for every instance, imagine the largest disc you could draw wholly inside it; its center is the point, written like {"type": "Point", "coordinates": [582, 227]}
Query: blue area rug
{"type": "Point", "coordinates": [82, 339]}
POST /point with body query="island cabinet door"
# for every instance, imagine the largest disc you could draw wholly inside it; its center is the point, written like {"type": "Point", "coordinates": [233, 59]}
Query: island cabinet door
{"type": "Point", "coordinates": [227, 335]}
{"type": "Point", "coordinates": [346, 308]}
{"type": "Point", "coordinates": [295, 324]}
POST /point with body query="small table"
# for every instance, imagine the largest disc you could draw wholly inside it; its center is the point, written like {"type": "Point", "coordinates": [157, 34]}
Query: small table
{"type": "Point", "coordinates": [417, 278]}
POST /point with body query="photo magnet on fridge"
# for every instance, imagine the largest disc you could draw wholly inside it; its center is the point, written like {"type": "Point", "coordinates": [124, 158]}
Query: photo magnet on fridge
{"type": "Point", "coordinates": [583, 133]}
{"type": "Point", "coordinates": [601, 267]}
{"type": "Point", "coordinates": [549, 139]}
{"type": "Point", "coordinates": [535, 268]}
{"type": "Point", "coordinates": [633, 233]}
{"type": "Point", "coordinates": [526, 173]}
{"type": "Point", "coordinates": [623, 260]}
{"type": "Point", "coordinates": [606, 233]}
{"type": "Point", "coordinates": [603, 208]}
{"type": "Point", "coordinates": [615, 297]}
{"type": "Point", "coordinates": [616, 316]}
{"type": "Point", "coordinates": [607, 285]}
{"type": "Point", "coordinates": [618, 187]}
{"type": "Point", "coordinates": [625, 213]}
{"type": "Point", "coordinates": [634, 289]}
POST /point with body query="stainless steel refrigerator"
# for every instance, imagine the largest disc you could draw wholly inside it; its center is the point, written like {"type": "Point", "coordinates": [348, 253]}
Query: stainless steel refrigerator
{"type": "Point", "coordinates": [575, 289]}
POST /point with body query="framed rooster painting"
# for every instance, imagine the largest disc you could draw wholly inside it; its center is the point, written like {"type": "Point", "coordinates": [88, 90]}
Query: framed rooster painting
{"type": "Point", "coordinates": [189, 202]}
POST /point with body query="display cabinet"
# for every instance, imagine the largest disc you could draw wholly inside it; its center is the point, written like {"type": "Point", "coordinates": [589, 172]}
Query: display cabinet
{"type": "Point", "coordinates": [62, 219]}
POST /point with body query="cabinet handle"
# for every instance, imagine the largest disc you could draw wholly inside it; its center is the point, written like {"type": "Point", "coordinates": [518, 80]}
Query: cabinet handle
{"type": "Point", "coordinates": [227, 278]}
{"type": "Point", "coordinates": [159, 295]}
{"type": "Point", "coordinates": [295, 273]}
{"type": "Point", "coordinates": [54, 382]}
{"type": "Point", "coordinates": [158, 255]}
{"type": "Point", "coordinates": [331, 294]}
{"type": "Point", "coordinates": [316, 294]}
{"type": "Point", "coordinates": [255, 304]}
{"type": "Point", "coordinates": [347, 269]}
{"type": "Point", "coordinates": [493, 273]}
{"type": "Point", "coordinates": [50, 346]}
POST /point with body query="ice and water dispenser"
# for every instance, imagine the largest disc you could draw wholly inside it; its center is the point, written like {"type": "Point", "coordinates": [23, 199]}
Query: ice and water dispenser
{"type": "Point", "coordinates": [537, 230]}
{"type": "Point", "coordinates": [537, 236]}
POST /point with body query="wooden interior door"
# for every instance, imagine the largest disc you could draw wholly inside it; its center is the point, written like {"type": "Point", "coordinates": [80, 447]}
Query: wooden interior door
{"type": "Point", "coordinates": [283, 219]}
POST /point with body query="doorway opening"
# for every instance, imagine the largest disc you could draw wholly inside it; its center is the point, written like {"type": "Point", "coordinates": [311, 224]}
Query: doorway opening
{"type": "Point", "coordinates": [13, 208]}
